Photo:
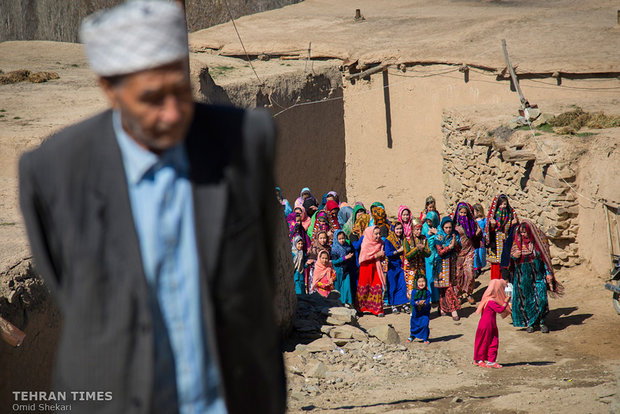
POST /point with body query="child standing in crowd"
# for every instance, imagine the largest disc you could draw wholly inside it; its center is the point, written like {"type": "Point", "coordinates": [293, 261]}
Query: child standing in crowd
{"type": "Point", "coordinates": [324, 275]}
{"type": "Point", "coordinates": [429, 230]}
{"type": "Point", "coordinates": [299, 264]}
{"type": "Point", "coordinates": [480, 259]}
{"type": "Point", "coordinates": [396, 286]}
{"type": "Point", "coordinates": [343, 260]}
{"type": "Point", "coordinates": [429, 205]}
{"type": "Point", "coordinates": [420, 311]}
{"type": "Point", "coordinates": [448, 245]}
{"type": "Point", "coordinates": [416, 250]}
{"type": "Point", "coordinates": [493, 301]}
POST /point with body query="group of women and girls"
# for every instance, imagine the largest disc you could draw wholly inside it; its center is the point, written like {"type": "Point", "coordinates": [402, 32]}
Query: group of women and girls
{"type": "Point", "coordinates": [413, 263]}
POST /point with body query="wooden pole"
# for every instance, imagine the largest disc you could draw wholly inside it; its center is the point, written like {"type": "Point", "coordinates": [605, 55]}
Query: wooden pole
{"type": "Point", "coordinates": [513, 75]}
{"type": "Point", "coordinates": [10, 333]}
{"type": "Point", "coordinates": [609, 242]}
{"type": "Point", "coordinates": [367, 72]}
{"type": "Point", "coordinates": [308, 58]}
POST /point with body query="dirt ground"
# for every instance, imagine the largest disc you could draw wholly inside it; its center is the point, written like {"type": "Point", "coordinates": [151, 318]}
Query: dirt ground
{"type": "Point", "coordinates": [570, 370]}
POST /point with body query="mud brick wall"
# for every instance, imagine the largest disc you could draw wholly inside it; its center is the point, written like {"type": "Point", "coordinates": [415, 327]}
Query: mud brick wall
{"type": "Point", "coordinates": [480, 162]}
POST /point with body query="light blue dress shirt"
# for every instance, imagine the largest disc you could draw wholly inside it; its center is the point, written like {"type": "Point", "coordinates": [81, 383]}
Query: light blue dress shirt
{"type": "Point", "coordinates": [162, 206]}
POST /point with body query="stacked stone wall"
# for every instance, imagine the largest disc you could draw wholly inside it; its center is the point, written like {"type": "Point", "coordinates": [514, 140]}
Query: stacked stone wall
{"type": "Point", "coordinates": [480, 162]}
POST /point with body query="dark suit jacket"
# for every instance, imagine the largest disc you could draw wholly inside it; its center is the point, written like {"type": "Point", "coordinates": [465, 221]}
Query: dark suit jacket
{"type": "Point", "coordinates": [75, 202]}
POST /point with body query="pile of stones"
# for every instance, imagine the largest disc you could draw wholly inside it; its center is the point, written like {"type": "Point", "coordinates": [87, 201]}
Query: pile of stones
{"type": "Point", "coordinates": [333, 353]}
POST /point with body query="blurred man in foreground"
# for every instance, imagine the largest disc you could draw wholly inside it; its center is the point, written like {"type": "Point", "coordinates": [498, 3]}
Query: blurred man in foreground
{"type": "Point", "coordinates": [138, 222]}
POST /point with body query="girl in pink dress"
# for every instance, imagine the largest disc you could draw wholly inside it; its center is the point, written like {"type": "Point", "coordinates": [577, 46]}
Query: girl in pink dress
{"type": "Point", "coordinates": [493, 301]}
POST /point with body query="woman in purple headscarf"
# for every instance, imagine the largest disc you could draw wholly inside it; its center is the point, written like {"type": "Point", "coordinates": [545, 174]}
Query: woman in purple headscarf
{"type": "Point", "coordinates": [471, 235]}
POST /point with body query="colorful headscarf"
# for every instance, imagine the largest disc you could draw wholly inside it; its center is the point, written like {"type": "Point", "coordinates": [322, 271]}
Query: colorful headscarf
{"type": "Point", "coordinates": [317, 247]}
{"type": "Point", "coordinates": [415, 222]}
{"type": "Point", "coordinates": [420, 294]}
{"type": "Point", "coordinates": [406, 226]}
{"type": "Point", "coordinates": [321, 223]}
{"type": "Point", "coordinates": [298, 255]}
{"type": "Point", "coordinates": [396, 241]}
{"type": "Point", "coordinates": [467, 222]}
{"type": "Point", "coordinates": [496, 291]}
{"type": "Point", "coordinates": [297, 230]}
{"type": "Point", "coordinates": [442, 237]}
{"type": "Point", "coordinates": [323, 201]}
{"type": "Point", "coordinates": [434, 218]}
{"type": "Point", "coordinates": [335, 195]}
{"type": "Point", "coordinates": [340, 250]}
{"type": "Point", "coordinates": [361, 225]}
{"type": "Point", "coordinates": [348, 227]}
{"type": "Point", "coordinates": [369, 249]}
{"type": "Point", "coordinates": [379, 216]}
{"type": "Point", "coordinates": [509, 214]}
{"type": "Point", "coordinates": [321, 270]}
{"type": "Point", "coordinates": [300, 199]}
{"type": "Point", "coordinates": [332, 209]}
{"type": "Point", "coordinates": [344, 215]}
{"type": "Point", "coordinates": [305, 220]}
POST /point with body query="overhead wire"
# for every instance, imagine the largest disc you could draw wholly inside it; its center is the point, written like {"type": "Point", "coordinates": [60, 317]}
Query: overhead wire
{"type": "Point", "coordinates": [232, 19]}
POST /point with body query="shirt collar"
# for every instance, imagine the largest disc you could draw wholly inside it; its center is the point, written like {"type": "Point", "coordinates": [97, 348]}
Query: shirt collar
{"type": "Point", "coordinates": [139, 161]}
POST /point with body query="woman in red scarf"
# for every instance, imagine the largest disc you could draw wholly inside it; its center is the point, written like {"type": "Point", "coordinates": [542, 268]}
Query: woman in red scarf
{"type": "Point", "coordinates": [533, 277]}
{"type": "Point", "coordinates": [371, 281]}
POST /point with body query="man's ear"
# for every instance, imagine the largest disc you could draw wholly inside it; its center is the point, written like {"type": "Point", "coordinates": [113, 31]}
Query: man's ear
{"type": "Point", "coordinates": [110, 91]}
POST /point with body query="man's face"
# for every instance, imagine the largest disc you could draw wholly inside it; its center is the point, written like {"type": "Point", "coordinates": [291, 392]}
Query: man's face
{"type": "Point", "coordinates": [156, 105]}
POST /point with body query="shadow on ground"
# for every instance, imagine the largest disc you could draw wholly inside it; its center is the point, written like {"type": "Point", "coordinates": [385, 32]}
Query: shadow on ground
{"type": "Point", "coordinates": [561, 318]}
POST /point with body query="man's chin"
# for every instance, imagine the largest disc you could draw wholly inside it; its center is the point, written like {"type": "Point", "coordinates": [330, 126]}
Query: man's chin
{"type": "Point", "coordinates": [162, 143]}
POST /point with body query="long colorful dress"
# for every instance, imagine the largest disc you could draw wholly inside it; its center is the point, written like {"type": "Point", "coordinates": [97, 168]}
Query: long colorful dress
{"type": "Point", "coordinates": [533, 276]}
{"type": "Point", "coordinates": [420, 314]}
{"type": "Point", "coordinates": [371, 279]}
{"type": "Point", "coordinates": [496, 237]}
{"type": "Point", "coordinates": [415, 262]}
{"type": "Point", "coordinates": [480, 259]}
{"type": "Point", "coordinates": [470, 236]}
{"type": "Point", "coordinates": [431, 261]}
{"type": "Point", "coordinates": [445, 279]}
{"type": "Point", "coordinates": [299, 264]}
{"type": "Point", "coordinates": [345, 268]}
{"type": "Point", "coordinates": [396, 285]}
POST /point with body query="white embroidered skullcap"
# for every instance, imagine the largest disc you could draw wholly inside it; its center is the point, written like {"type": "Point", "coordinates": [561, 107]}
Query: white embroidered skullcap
{"type": "Point", "coordinates": [134, 36]}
